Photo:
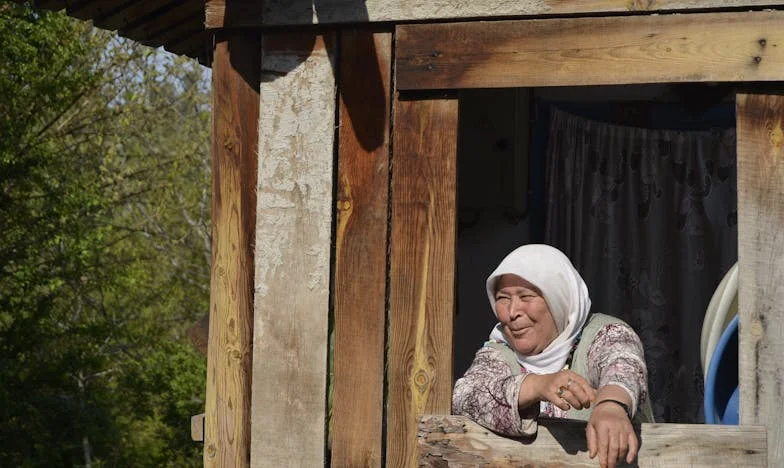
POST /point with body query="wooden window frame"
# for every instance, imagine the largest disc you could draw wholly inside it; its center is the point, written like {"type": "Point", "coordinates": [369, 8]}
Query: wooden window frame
{"type": "Point", "coordinates": [728, 47]}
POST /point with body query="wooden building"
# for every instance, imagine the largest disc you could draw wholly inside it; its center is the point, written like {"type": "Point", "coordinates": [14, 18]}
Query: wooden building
{"type": "Point", "coordinates": [334, 207]}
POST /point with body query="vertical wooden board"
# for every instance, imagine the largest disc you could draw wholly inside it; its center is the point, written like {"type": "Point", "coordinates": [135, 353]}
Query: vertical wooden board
{"type": "Point", "coordinates": [361, 248]}
{"type": "Point", "coordinates": [760, 127]}
{"type": "Point", "coordinates": [422, 270]}
{"type": "Point", "coordinates": [234, 162]}
{"type": "Point", "coordinates": [296, 136]}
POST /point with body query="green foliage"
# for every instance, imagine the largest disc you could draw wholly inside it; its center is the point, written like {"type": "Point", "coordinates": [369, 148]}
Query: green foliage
{"type": "Point", "coordinates": [104, 245]}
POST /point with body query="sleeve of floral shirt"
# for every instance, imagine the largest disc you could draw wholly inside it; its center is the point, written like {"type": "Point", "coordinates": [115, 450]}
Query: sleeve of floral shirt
{"type": "Point", "coordinates": [616, 357]}
{"type": "Point", "coordinates": [488, 392]}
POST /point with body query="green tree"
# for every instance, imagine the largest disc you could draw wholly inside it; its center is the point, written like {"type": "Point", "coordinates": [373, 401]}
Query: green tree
{"type": "Point", "coordinates": [104, 245]}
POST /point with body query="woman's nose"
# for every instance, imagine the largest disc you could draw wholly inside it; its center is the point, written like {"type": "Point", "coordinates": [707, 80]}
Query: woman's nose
{"type": "Point", "coordinates": [516, 307]}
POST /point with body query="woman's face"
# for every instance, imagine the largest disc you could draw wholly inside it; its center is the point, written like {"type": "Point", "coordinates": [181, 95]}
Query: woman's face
{"type": "Point", "coordinates": [527, 322]}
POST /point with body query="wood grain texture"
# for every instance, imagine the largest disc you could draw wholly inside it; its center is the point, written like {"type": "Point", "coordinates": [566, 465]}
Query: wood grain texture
{"type": "Point", "coordinates": [445, 441]}
{"type": "Point", "coordinates": [422, 271]}
{"type": "Point", "coordinates": [223, 14]}
{"type": "Point", "coordinates": [743, 46]}
{"type": "Point", "coordinates": [234, 165]}
{"type": "Point", "coordinates": [760, 127]}
{"type": "Point", "coordinates": [361, 248]}
{"type": "Point", "coordinates": [296, 138]}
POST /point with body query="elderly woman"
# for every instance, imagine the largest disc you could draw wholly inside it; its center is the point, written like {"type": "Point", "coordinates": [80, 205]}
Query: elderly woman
{"type": "Point", "coordinates": [549, 356]}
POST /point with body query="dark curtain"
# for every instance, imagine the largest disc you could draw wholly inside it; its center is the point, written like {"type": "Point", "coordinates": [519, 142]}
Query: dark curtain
{"type": "Point", "coordinates": [649, 217]}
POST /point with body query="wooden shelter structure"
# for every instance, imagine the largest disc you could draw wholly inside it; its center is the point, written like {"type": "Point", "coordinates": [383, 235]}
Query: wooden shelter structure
{"type": "Point", "coordinates": [334, 206]}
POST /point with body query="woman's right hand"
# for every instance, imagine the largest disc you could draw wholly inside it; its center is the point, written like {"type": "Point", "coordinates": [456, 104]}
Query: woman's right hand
{"type": "Point", "coordinates": [564, 389]}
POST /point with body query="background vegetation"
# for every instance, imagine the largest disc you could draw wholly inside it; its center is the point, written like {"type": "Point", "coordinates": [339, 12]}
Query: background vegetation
{"type": "Point", "coordinates": [104, 245]}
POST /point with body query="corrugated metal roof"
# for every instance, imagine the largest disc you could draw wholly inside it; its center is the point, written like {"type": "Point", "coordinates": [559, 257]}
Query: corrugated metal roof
{"type": "Point", "coordinates": [177, 25]}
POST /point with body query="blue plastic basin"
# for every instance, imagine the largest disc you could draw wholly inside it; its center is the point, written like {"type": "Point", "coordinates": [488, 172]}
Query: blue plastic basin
{"type": "Point", "coordinates": [721, 383]}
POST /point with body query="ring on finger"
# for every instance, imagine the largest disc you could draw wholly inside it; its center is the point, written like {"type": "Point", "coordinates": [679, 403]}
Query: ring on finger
{"type": "Point", "coordinates": [569, 383]}
{"type": "Point", "coordinates": [560, 391]}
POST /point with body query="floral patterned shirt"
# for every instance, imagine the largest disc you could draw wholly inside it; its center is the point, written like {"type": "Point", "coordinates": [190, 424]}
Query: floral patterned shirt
{"type": "Point", "coordinates": [488, 391]}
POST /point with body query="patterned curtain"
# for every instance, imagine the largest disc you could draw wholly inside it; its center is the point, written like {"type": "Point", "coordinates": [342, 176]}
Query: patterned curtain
{"type": "Point", "coordinates": [650, 219]}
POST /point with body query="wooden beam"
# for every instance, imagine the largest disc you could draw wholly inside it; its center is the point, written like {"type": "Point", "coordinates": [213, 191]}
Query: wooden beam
{"type": "Point", "coordinates": [361, 248]}
{"type": "Point", "coordinates": [254, 13]}
{"type": "Point", "coordinates": [293, 243]}
{"type": "Point", "coordinates": [422, 272]}
{"type": "Point", "coordinates": [133, 14]}
{"type": "Point", "coordinates": [235, 79]}
{"type": "Point", "coordinates": [746, 46]}
{"type": "Point", "coordinates": [760, 133]}
{"type": "Point", "coordinates": [445, 441]}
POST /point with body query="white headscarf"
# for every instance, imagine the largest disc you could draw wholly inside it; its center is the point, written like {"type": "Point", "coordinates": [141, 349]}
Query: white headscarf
{"type": "Point", "coordinates": [562, 288]}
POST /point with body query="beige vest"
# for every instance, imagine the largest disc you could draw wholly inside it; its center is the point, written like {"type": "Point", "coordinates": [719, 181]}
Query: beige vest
{"type": "Point", "coordinates": [580, 365]}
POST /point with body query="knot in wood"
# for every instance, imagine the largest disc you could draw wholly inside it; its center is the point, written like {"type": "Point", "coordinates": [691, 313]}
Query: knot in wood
{"type": "Point", "coordinates": [777, 136]}
{"type": "Point", "coordinates": [421, 380]}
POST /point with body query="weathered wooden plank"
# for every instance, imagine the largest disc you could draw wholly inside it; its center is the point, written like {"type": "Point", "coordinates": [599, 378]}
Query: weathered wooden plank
{"type": "Point", "coordinates": [422, 271]}
{"type": "Point", "coordinates": [361, 248]}
{"type": "Point", "coordinates": [445, 441]}
{"type": "Point", "coordinates": [132, 14]}
{"type": "Point", "coordinates": [162, 25]}
{"type": "Point", "coordinates": [293, 234]}
{"type": "Point", "coordinates": [760, 127]}
{"type": "Point", "coordinates": [743, 46]}
{"type": "Point", "coordinates": [234, 162]}
{"type": "Point", "coordinates": [254, 13]}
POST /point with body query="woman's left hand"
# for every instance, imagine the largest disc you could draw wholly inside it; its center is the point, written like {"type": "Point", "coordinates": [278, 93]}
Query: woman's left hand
{"type": "Point", "coordinates": [610, 433]}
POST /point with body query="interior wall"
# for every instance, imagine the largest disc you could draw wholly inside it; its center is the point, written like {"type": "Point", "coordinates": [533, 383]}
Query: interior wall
{"type": "Point", "coordinates": [500, 203]}
{"type": "Point", "coordinates": [493, 198]}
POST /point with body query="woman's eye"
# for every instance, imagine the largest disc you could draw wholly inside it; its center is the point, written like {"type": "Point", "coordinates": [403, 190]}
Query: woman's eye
{"type": "Point", "coordinates": [501, 299]}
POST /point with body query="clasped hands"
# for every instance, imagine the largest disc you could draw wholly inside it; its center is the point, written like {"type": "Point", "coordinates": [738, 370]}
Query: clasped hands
{"type": "Point", "coordinates": [609, 432]}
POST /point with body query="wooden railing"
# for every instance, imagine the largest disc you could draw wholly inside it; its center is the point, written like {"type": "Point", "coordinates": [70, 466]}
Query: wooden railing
{"type": "Point", "coordinates": [455, 441]}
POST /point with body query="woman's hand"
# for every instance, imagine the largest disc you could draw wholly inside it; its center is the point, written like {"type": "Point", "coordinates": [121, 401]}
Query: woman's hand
{"type": "Point", "coordinates": [609, 432]}
{"type": "Point", "coordinates": [564, 389]}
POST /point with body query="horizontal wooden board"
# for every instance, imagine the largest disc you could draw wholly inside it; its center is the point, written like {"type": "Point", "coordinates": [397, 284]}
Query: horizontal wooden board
{"type": "Point", "coordinates": [254, 13]}
{"type": "Point", "coordinates": [445, 441]}
{"type": "Point", "coordinates": [746, 46]}
{"type": "Point", "coordinates": [761, 254]}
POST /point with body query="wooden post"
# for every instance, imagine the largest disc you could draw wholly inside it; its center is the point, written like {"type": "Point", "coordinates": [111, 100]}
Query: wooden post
{"type": "Point", "coordinates": [293, 243]}
{"type": "Point", "coordinates": [422, 271]}
{"type": "Point", "coordinates": [235, 80]}
{"type": "Point", "coordinates": [760, 127]}
{"type": "Point", "coordinates": [361, 248]}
